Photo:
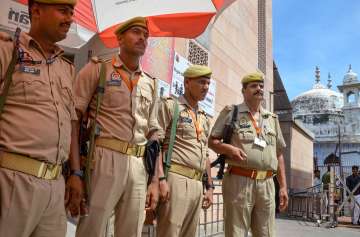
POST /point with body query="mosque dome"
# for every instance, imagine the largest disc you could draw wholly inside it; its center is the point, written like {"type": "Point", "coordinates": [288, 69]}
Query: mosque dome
{"type": "Point", "coordinates": [319, 100]}
{"type": "Point", "coordinates": [350, 77]}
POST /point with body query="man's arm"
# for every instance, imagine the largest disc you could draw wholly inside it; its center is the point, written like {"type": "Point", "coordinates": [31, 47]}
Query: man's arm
{"type": "Point", "coordinates": [283, 195]}
{"type": "Point", "coordinates": [208, 196]}
{"type": "Point", "coordinates": [74, 184]}
{"type": "Point", "coordinates": [229, 150]}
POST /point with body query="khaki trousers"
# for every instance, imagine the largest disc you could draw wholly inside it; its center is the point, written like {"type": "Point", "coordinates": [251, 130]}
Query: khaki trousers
{"type": "Point", "coordinates": [118, 183]}
{"type": "Point", "coordinates": [248, 204]}
{"type": "Point", "coordinates": [30, 206]}
{"type": "Point", "coordinates": [180, 216]}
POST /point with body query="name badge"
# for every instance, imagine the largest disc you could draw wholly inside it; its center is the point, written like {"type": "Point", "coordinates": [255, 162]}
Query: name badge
{"type": "Point", "coordinates": [30, 70]}
{"type": "Point", "coordinates": [115, 79]}
{"type": "Point", "coordinates": [259, 142]}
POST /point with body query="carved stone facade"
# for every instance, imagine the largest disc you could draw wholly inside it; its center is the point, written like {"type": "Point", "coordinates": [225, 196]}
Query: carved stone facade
{"type": "Point", "coordinates": [332, 117]}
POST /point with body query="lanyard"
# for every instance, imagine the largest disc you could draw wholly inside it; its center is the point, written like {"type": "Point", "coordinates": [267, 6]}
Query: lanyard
{"type": "Point", "coordinates": [129, 83]}
{"type": "Point", "coordinates": [257, 128]}
{"type": "Point", "coordinates": [196, 123]}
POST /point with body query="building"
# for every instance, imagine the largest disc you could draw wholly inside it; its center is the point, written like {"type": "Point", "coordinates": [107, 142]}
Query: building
{"type": "Point", "coordinates": [299, 140]}
{"type": "Point", "coordinates": [334, 119]}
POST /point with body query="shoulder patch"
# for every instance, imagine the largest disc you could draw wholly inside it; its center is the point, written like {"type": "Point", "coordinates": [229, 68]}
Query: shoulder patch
{"type": "Point", "coordinates": [147, 74]}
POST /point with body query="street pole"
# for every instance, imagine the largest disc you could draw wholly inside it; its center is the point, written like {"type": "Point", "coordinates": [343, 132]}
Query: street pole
{"type": "Point", "coordinates": [332, 197]}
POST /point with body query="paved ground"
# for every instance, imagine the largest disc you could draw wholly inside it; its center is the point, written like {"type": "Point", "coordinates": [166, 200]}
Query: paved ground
{"type": "Point", "coordinates": [293, 228]}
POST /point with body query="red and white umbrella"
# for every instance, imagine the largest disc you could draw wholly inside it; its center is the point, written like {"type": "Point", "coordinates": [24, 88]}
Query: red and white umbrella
{"type": "Point", "coordinates": [166, 18]}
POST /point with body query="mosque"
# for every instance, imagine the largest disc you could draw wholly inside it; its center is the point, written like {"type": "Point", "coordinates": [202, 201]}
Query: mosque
{"type": "Point", "coordinates": [334, 118]}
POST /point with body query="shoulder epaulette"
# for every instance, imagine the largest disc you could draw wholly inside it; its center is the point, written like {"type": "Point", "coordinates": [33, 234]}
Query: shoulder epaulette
{"type": "Point", "coordinates": [96, 59]}
{"type": "Point", "coordinates": [166, 98]}
{"type": "Point", "coordinates": [147, 74]}
{"type": "Point", "coordinates": [228, 107]}
{"type": "Point", "coordinates": [5, 37]}
{"type": "Point", "coordinates": [66, 60]}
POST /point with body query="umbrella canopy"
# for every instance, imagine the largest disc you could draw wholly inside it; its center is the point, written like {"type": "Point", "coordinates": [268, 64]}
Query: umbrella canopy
{"type": "Point", "coordinates": [166, 18]}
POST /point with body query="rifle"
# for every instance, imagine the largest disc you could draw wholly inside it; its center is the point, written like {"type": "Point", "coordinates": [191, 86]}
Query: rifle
{"type": "Point", "coordinates": [227, 134]}
{"type": "Point", "coordinates": [94, 131]}
{"type": "Point", "coordinates": [167, 158]}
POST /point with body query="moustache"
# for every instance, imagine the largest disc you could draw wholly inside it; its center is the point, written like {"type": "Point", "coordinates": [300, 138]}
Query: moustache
{"type": "Point", "coordinates": [67, 24]}
{"type": "Point", "coordinates": [259, 93]}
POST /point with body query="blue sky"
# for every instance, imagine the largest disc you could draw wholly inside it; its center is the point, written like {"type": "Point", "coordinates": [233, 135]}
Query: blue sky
{"type": "Point", "coordinates": [309, 33]}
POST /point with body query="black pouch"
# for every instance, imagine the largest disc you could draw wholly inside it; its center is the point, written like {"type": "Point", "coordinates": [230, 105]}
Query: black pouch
{"type": "Point", "coordinates": [152, 151]}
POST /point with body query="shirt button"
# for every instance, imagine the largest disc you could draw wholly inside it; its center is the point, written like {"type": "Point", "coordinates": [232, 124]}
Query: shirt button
{"type": "Point", "coordinates": [61, 124]}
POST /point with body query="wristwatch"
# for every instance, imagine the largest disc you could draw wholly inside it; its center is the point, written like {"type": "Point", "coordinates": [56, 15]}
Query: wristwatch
{"type": "Point", "coordinates": [208, 186]}
{"type": "Point", "coordinates": [78, 173]}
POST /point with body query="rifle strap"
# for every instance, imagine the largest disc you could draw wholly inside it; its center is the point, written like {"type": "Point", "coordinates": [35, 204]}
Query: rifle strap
{"type": "Point", "coordinates": [175, 119]}
{"type": "Point", "coordinates": [234, 115]}
{"type": "Point", "coordinates": [10, 71]}
{"type": "Point", "coordinates": [100, 93]}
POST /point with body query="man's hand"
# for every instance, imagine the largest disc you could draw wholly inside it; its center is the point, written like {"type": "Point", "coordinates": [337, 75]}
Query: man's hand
{"type": "Point", "coordinates": [164, 191]}
{"type": "Point", "coordinates": [152, 196]}
{"type": "Point", "coordinates": [74, 192]}
{"type": "Point", "coordinates": [237, 154]}
{"type": "Point", "coordinates": [283, 195]}
{"type": "Point", "coordinates": [208, 199]}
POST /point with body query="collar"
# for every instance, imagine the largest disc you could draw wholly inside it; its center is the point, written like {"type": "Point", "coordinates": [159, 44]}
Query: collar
{"type": "Point", "coordinates": [118, 63]}
{"type": "Point", "coordinates": [182, 101]}
{"type": "Point", "coordinates": [26, 40]}
{"type": "Point", "coordinates": [244, 108]}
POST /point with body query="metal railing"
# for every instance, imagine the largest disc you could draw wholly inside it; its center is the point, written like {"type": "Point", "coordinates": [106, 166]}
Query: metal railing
{"type": "Point", "coordinates": [211, 221]}
{"type": "Point", "coordinates": [319, 204]}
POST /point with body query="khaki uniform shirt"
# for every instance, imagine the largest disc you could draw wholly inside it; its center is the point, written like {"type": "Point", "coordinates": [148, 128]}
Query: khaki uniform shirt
{"type": "Point", "coordinates": [124, 115]}
{"type": "Point", "coordinates": [244, 135]}
{"type": "Point", "coordinates": [36, 120]}
{"type": "Point", "coordinates": [188, 150]}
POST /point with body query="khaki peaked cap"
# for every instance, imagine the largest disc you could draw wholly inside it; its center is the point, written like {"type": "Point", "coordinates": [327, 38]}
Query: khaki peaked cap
{"type": "Point", "coordinates": [252, 77]}
{"type": "Point", "coordinates": [69, 2]}
{"type": "Point", "coordinates": [195, 71]}
{"type": "Point", "coordinates": [136, 21]}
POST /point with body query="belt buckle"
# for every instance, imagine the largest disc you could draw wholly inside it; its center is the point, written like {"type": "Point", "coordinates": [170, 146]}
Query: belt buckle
{"type": "Point", "coordinates": [49, 171]}
{"type": "Point", "coordinates": [140, 151]}
{"type": "Point", "coordinates": [131, 151]}
{"type": "Point", "coordinates": [261, 174]}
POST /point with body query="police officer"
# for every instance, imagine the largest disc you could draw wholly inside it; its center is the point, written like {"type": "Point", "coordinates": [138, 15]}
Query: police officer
{"type": "Point", "coordinates": [255, 155]}
{"type": "Point", "coordinates": [127, 118]}
{"type": "Point", "coordinates": [182, 193]}
{"type": "Point", "coordinates": [36, 125]}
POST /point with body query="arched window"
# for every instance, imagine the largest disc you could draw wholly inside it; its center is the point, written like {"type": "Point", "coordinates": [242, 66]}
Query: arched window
{"type": "Point", "coordinates": [350, 97]}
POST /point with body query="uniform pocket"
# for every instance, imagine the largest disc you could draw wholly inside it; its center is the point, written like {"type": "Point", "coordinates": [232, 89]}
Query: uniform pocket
{"type": "Point", "coordinates": [270, 138]}
{"type": "Point", "coordinates": [29, 88]}
{"type": "Point", "coordinates": [66, 92]}
{"type": "Point", "coordinates": [112, 96]}
{"type": "Point", "coordinates": [245, 136]}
